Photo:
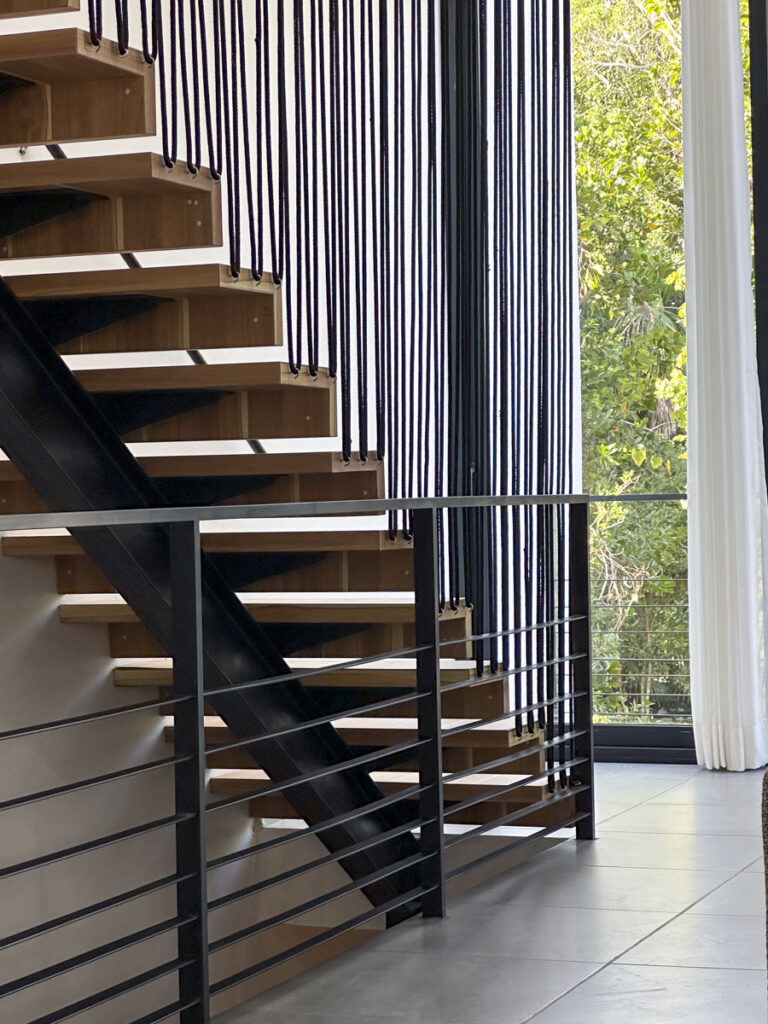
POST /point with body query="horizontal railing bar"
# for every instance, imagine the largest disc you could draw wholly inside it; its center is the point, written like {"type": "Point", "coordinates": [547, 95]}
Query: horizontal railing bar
{"type": "Point", "coordinates": [302, 674]}
{"type": "Point", "coordinates": [475, 680]}
{"type": "Point", "coordinates": [94, 908]}
{"type": "Point", "coordinates": [284, 510]}
{"type": "Point", "coordinates": [511, 758]}
{"type": "Point", "coordinates": [92, 955]}
{"type": "Point", "coordinates": [108, 994]}
{"type": "Point", "coordinates": [611, 633]}
{"type": "Point", "coordinates": [509, 819]}
{"type": "Point", "coordinates": [498, 634]}
{"type": "Point", "coordinates": [300, 780]}
{"type": "Point", "coordinates": [642, 675]}
{"type": "Point", "coordinates": [608, 499]}
{"type": "Point", "coordinates": [634, 693]}
{"type": "Point", "coordinates": [312, 723]}
{"type": "Point", "coordinates": [647, 657]}
{"type": "Point", "coordinates": [96, 716]}
{"type": "Point", "coordinates": [492, 794]}
{"type": "Point", "coordinates": [313, 830]}
{"type": "Point", "coordinates": [93, 844]}
{"type": "Point", "coordinates": [319, 862]}
{"type": "Point", "coordinates": [157, 1016]}
{"type": "Point", "coordinates": [662, 717]}
{"type": "Point", "coordinates": [632, 606]}
{"type": "Point", "coordinates": [517, 845]}
{"type": "Point", "coordinates": [96, 780]}
{"type": "Point", "coordinates": [317, 940]}
{"type": "Point", "coordinates": [634, 583]}
{"type": "Point", "coordinates": [319, 901]}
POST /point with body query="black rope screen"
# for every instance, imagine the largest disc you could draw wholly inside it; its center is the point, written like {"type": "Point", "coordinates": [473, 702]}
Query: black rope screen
{"type": "Point", "coordinates": [404, 169]}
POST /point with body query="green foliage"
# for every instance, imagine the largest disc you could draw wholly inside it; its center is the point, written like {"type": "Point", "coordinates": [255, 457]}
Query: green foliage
{"type": "Point", "coordinates": [627, 76]}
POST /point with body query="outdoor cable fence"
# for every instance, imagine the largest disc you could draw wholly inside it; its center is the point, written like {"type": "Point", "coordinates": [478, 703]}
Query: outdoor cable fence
{"type": "Point", "coordinates": [450, 792]}
{"type": "Point", "coordinates": [640, 609]}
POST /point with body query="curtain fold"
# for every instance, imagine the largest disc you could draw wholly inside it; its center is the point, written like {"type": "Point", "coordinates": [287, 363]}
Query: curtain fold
{"type": "Point", "coordinates": [728, 509]}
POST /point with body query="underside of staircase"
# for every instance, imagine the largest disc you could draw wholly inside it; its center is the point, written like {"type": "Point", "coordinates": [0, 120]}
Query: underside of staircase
{"type": "Point", "coordinates": [93, 362]}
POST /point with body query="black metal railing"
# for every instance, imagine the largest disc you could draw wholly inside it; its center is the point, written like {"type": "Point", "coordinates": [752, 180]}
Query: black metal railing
{"type": "Point", "coordinates": [444, 817]}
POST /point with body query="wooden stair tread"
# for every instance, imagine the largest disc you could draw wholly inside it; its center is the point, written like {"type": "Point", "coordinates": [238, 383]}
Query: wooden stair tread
{"type": "Point", "coordinates": [26, 8]}
{"type": "Point", "coordinates": [268, 608]}
{"type": "Point", "coordinates": [203, 307]}
{"type": "Point", "coordinates": [380, 731]}
{"type": "Point", "coordinates": [241, 480]}
{"type": "Point", "coordinates": [66, 55]}
{"type": "Point", "coordinates": [141, 205]}
{"type": "Point", "coordinates": [261, 464]}
{"type": "Point", "coordinates": [238, 377]}
{"type": "Point", "coordinates": [165, 282]}
{"type": "Point", "coordinates": [242, 781]}
{"type": "Point", "coordinates": [386, 673]}
{"type": "Point", "coordinates": [68, 90]}
{"type": "Point", "coordinates": [115, 174]}
{"type": "Point", "coordinates": [247, 400]}
{"type": "Point", "coordinates": [59, 542]}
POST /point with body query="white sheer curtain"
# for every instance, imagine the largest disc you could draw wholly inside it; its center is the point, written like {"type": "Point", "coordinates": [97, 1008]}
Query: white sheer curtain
{"type": "Point", "coordinates": [728, 512]}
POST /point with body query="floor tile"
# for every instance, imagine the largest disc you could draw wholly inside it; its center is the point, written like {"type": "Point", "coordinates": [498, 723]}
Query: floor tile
{"type": "Point", "coordinates": [742, 895]}
{"type": "Point", "coordinates": [634, 790]}
{"type": "Point", "coordinates": [670, 897]}
{"type": "Point", "coordinates": [419, 989]}
{"type": "Point", "coordinates": [689, 818]}
{"type": "Point", "coordinates": [717, 788]}
{"type": "Point", "coordinates": [590, 886]}
{"type": "Point", "coordinates": [696, 940]}
{"type": "Point", "coordinates": [647, 771]}
{"type": "Point", "coordinates": [607, 809]}
{"type": "Point", "coordinates": [663, 995]}
{"type": "Point", "coordinates": [249, 1015]}
{"type": "Point", "coordinates": [526, 930]}
{"type": "Point", "coordinates": [675, 852]}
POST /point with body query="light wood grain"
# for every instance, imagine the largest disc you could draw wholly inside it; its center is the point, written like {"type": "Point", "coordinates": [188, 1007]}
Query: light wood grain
{"type": "Point", "coordinates": [358, 609]}
{"type": "Point", "coordinates": [206, 308]}
{"type": "Point", "coordinates": [73, 91]}
{"type": "Point", "coordinates": [28, 8]}
{"type": "Point", "coordinates": [20, 545]}
{"type": "Point", "coordinates": [140, 205]}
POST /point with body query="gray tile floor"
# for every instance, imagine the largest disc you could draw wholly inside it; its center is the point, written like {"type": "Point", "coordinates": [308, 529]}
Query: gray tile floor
{"type": "Point", "coordinates": [662, 919]}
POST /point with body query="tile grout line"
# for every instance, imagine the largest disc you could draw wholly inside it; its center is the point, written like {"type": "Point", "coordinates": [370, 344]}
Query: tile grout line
{"type": "Point", "coordinates": [640, 803]}
{"type": "Point", "coordinates": [634, 945]}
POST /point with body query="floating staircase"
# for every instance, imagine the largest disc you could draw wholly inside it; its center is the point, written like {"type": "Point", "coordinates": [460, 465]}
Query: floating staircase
{"type": "Point", "coordinates": [275, 600]}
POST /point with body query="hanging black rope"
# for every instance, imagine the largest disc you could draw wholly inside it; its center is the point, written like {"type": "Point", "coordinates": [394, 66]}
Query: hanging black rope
{"type": "Point", "coordinates": [405, 172]}
{"type": "Point", "coordinates": [96, 21]}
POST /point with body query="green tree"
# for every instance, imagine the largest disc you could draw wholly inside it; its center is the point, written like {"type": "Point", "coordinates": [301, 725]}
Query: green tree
{"type": "Point", "coordinates": [627, 78]}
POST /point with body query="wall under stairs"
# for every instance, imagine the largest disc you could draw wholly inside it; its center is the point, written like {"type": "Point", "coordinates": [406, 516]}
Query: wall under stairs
{"type": "Point", "coordinates": [65, 671]}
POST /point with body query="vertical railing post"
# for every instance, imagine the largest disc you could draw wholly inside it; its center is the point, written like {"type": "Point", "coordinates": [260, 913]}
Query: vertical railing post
{"type": "Point", "coordinates": [426, 585]}
{"type": "Point", "coordinates": [583, 775]}
{"type": "Point", "coordinates": [189, 737]}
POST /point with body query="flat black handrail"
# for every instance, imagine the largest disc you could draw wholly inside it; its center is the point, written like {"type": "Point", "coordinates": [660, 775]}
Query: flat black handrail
{"type": "Point", "coordinates": [287, 510]}
{"type": "Point", "coordinates": [304, 509]}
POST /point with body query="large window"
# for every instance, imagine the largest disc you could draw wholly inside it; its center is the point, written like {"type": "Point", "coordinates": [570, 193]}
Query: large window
{"type": "Point", "coordinates": [627, 77]}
